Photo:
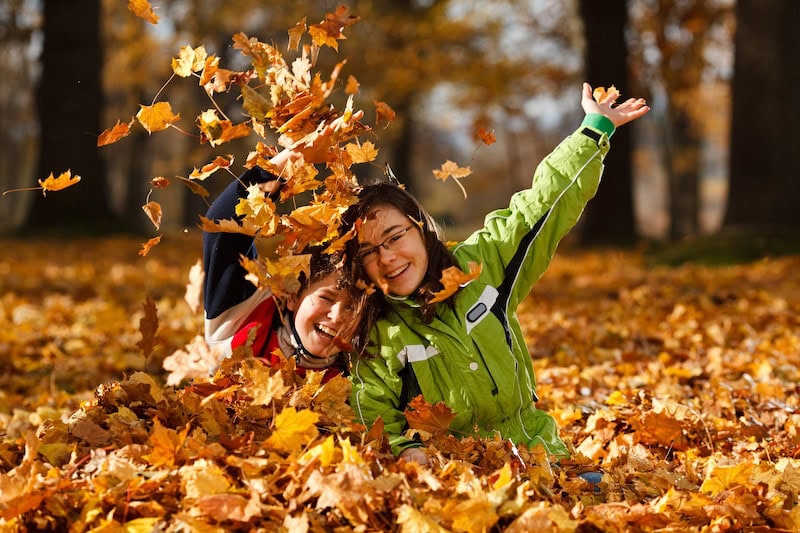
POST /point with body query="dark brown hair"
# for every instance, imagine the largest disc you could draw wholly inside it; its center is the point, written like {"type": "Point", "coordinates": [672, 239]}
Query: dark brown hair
{"type": "Point", "coordinates": [439, 257]}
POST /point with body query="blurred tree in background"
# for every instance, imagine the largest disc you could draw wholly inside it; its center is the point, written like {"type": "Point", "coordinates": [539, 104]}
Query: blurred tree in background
{"type": "Point", "coordinates": [446, 66]}
{"type": "Point", "coordinates": [765, 169]}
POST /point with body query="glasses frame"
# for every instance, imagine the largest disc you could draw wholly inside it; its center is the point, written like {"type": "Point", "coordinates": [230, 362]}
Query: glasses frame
{"type": "Point", "coordinates": [387, 244]}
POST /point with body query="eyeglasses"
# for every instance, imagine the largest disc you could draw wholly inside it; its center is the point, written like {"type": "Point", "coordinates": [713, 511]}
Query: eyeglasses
{"type": "Point", "coordinates": [370, 254]}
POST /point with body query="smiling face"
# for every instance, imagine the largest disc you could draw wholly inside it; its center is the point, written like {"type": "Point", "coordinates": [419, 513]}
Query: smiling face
{"type": "Point", "coordinates": [321, 312]}
{"type": "Point", "coordinates": [392, 251]}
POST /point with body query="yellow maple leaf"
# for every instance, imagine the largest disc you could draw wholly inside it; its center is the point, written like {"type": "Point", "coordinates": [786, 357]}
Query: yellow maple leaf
{"type": "Point", "coordinates": [720, 478]}
{"type": "Point", "coordinates": [64, 180]}
{"type": "Point", "coordinates": [143, 10]}
{"type": "Point", "coordinates": [293, 430]}
{"type": "Point", "coordinates": [189, 60]}
{"type": "Point", "coordinates": [363, 153]}
{"type": "Point", "coordinates": [259, 210]}
{"type": "Point", "coordinates": [156, 117]}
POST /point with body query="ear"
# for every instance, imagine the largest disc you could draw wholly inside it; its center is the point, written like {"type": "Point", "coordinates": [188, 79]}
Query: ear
{"type": "Point", "coordinates": [291, 303]}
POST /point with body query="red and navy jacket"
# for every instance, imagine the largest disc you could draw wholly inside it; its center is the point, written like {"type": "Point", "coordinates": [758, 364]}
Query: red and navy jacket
{"type": "Point", "coordinates": [233, 305]}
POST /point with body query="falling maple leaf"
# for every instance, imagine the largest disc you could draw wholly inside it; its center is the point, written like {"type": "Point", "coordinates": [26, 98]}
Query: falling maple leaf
{"type": "Point", "coordinates": [189, 60]}
{"type": "Point", "coordinates": [153, 211]}
{"type": "Point", "coordinates": [156, 117]}
{"type": "Point", "coordinates": [363, 153]}
{"type": "Point", "coordinates": [451, 169]}
{"type": "Point", "coordinates": [329, 31]}
{"type": "Point", "coordinates": [487, 137]}
{"type": "Point", "coordinates": [110, 136]}
{"type": "Point", "coordinates": [209, 168]}
{"type": "Point", "coordinates": [453, 278]}
{"type": "Point", "coordinates": [383, 112]}
{"type": "Point", "coordinates": [64, 180]}
{"type": "Point", "coordinates": [160, 182]}
{"type": "Point", "coordinates": [143, 10]}
{"type": "Point", "coordinates": [148, 326]}
{"type": "Point", "coordinates": [148, 245]}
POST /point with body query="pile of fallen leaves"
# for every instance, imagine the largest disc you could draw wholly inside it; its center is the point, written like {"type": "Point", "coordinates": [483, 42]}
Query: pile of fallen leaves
{"type": "Point", "coordinates": [676, 387]}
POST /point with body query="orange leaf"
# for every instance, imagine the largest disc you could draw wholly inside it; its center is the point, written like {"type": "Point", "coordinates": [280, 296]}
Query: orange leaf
{"type": "Point", "coordinates": [383, 112]}
{"type": "Point", "coordinates": [209, 168]}
{"type": "Point", "coordinates": [486, 136]}
{"type": "Point", "coordinates": [66, 179]}
{"type": "Point", "coordinates": [148, 245]}
{"type": "Point", "coordinates": [352, 85]}
{"type": "Point", "coordinates": [453, 278]}
{"type": "Point", "coordinates": [143, 10]}
{"type": "Point", "coordinates": [165, 443]}
{"type": "Point", "coordinates": [120, 130]}
{"type": "Point", "coordinates": [430, 418]}
{"type": "Point", "coordinates": [156, 117]}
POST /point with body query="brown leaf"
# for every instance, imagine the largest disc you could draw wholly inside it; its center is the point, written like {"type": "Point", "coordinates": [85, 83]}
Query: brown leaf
{"type": "Point", "coordinates": [153, 211]}
{"type": "Point", "coordinates": [434, 419]}
{"type": "Point", "coordinates": [148, 326]}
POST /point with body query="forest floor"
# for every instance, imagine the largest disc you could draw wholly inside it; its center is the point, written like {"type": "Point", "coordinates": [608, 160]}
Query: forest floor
{"type": "Point", "coordinates": [676, 387]}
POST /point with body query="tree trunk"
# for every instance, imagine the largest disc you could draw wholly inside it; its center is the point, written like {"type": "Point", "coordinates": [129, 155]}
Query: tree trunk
{"type": "Point", "coordinates": [69, 102]}
{"type": "Point", "coordinates": [765, 120]}
{"type": "Point", "coordinates": [609, 217]}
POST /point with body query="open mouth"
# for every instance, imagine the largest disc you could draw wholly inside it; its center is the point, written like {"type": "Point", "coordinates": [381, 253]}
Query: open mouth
{"type": "Point", "coordinates": [395, 273]}
{"type": "Point", "coordinates": [325, 331]}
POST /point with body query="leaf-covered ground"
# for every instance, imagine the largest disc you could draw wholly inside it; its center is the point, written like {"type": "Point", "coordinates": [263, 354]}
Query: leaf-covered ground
{"type": "Point", "coordinates": [677, 388]}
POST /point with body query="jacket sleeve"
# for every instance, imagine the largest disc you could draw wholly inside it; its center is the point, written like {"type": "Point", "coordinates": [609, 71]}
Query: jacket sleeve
{"type": "Point", "coordinates": [516, 244]}
{"type": "Point", "coordinates": [227, 294]}
{"type": "Point", "coordinates": [377, 391]}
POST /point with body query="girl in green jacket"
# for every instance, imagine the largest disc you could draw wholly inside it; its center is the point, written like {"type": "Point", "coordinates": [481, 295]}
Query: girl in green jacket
{"type": "Point", "coordinates": [468, 350]}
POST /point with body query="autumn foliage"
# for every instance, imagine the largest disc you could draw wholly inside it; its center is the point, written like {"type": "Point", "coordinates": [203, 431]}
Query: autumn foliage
{"type": "Point", "coordinates": [678, 386]}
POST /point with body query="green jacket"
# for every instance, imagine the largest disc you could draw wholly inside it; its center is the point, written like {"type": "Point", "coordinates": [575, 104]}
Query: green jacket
{"type": "Point", "coordinates": [474, 357]}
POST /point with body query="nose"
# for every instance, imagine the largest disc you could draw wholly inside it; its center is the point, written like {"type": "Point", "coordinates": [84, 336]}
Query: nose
{"type": "Point", "coordinates": [338, 312]}
{"type": "Point", "coordinates": [385, 254]}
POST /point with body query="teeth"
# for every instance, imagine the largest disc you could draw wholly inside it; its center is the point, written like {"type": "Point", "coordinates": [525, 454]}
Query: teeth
{"type": "Point", "coordinates": [397, 272]}
{"type": "Point", "coordinates": [326, 330]}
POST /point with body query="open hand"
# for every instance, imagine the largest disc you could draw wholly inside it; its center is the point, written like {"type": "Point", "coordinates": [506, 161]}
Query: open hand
{"type": "Point", "coordinates": [627, 111]}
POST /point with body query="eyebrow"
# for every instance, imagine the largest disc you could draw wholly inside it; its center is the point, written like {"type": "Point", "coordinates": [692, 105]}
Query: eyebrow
{"type": "Point", "coordinates": [387, 231]}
